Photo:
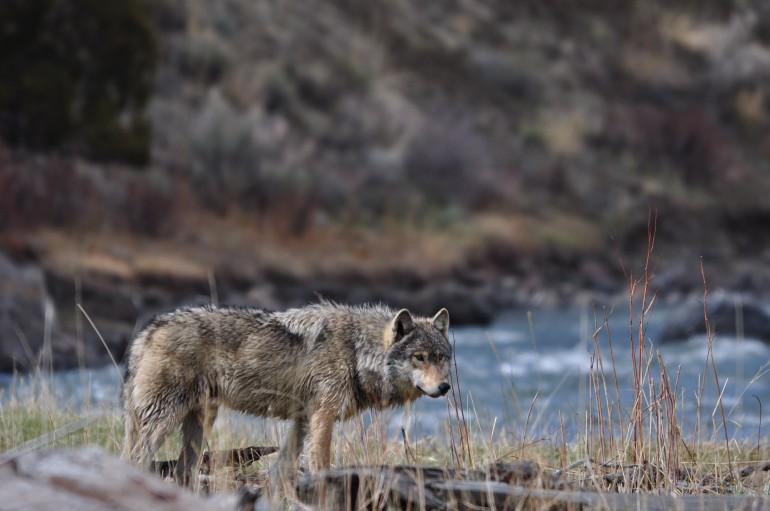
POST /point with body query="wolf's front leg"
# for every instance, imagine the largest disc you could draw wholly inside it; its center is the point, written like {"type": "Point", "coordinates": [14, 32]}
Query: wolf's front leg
{"type": "Point", "coordinates": [321, 428]}
{"type": "Point", "coordinates": [284, 467]}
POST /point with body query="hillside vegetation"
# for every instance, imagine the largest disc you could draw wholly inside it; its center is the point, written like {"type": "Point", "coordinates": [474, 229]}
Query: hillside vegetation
{"type": "Point", "coordinates": [338, 144]}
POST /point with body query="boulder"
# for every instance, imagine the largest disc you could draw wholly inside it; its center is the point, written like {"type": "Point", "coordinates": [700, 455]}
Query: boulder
{"type": "Point", "coordinates": [727, 314]}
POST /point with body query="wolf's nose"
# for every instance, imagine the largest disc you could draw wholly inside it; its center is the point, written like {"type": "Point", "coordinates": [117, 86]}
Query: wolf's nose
{"type": "Point", "coordinates": [444, 388]}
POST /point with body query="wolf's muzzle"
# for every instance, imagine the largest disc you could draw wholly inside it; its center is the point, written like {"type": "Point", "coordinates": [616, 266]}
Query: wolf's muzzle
{"type": "Point", "coordinates": [443, 388]}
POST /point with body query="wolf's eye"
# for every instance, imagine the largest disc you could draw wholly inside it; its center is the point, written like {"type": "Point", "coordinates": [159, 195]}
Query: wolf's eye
{"type": "Point", "coordinates": [420, 357]}
{"type": "Point", "coordinates": [441, 358]}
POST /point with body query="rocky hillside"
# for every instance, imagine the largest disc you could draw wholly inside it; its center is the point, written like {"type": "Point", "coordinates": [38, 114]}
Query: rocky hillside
{"type": "Point", "coordinates": [483, 154]}
{"type": "Point", "coordinates": [411, 112]}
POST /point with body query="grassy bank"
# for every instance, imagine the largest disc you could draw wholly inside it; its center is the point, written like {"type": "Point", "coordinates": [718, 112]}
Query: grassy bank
{"type": "Point", "coordinates": [584, 462]}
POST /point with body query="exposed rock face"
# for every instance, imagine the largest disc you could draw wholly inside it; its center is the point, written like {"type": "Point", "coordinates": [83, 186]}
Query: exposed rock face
{"type": "Point", "coordinates": [27, 318]}
{"type": "Point", "coordinates": [46, 318]}
{"type": "Point", "coordinates": [35, 334]}
{"type": "Point", "coordinates": [729, 314]}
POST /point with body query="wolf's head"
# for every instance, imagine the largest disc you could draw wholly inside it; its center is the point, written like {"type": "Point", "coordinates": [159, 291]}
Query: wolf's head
{"type": "Point", "coordinates": [419, 354]}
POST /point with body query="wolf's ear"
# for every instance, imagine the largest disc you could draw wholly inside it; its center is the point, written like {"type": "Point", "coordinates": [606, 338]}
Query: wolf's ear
{"type": "Point", "coordinates": [400, 327]}
{"type": "Point", "coordinates": [441, 322]}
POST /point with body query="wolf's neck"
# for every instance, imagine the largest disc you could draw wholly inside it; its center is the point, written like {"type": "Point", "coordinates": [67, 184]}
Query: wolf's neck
{"type": "Point", "coordinates": [378, 387]}
{"type": "Point", "coordinates": [373, 385]}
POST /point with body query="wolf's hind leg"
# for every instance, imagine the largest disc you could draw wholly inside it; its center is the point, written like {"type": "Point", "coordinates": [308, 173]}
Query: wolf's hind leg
{"type": "Point", "coordinates": [196, 427]}
{"type": "Point", "coordinates": [192, 445]}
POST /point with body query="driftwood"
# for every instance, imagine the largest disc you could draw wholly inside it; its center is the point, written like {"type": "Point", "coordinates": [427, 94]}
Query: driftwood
{"type": "Point", "coordinates": [232, 457]}
{"type": "Point", "coordinates": [501, 486]}
{"type": "Point", "coordinates": [519, 486]}
{"type": "Point", "coordinates": [685, 479]}
{"type": "Point", "coordinates": [762, 466]}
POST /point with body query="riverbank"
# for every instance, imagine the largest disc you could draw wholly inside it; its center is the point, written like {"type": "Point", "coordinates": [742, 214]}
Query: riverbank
{"type": "Point", "coordinates": [70, 293]}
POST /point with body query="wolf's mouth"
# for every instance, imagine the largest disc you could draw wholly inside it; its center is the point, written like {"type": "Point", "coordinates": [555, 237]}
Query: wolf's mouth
{"type": "Point", "coordinates": [424, 392]}
{"type": "Point", "coordinates": [440, 392]}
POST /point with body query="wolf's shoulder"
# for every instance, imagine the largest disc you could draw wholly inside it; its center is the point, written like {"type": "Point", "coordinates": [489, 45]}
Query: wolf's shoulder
{"type": "Point", "coordinates": [328, 308]}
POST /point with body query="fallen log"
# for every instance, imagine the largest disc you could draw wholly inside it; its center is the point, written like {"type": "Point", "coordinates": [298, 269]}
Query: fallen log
{"type": "Point", "coordinates": [234, 458]}
{"type": "Point", "coordinates": [746, 471]}
{"type": "Point", "coordinates": [414, 487]}
{"type": "Point", "coordinates": [429, 488]}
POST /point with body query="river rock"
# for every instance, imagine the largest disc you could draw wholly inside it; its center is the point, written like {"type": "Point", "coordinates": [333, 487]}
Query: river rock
{"type": "Point", "coordinates": [727, 313]}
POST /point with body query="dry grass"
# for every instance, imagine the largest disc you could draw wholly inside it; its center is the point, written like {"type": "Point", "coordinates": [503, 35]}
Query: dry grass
{"type": "Point", "coordinates": [590, 460]}
{"type": "Point", "coordinates": [605, 456]}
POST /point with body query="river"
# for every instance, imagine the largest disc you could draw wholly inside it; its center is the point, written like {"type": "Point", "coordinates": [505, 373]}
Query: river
{"type": "Point", "coordinates": [530, 371]}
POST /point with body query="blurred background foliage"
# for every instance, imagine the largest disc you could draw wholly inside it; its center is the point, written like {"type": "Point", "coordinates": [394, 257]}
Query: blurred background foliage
{"type": "Point", "coordinates": [77, 74]}
{"type": "Point", "coordinates": [528, 133]}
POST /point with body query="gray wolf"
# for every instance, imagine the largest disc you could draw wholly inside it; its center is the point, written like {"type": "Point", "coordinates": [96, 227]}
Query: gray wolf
{"type": "Point", "coordinates": [313, 365]}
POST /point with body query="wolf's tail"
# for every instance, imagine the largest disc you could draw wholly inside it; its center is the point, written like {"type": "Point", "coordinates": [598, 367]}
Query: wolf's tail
{"type": "Point", "coordinates": [131, 438]}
